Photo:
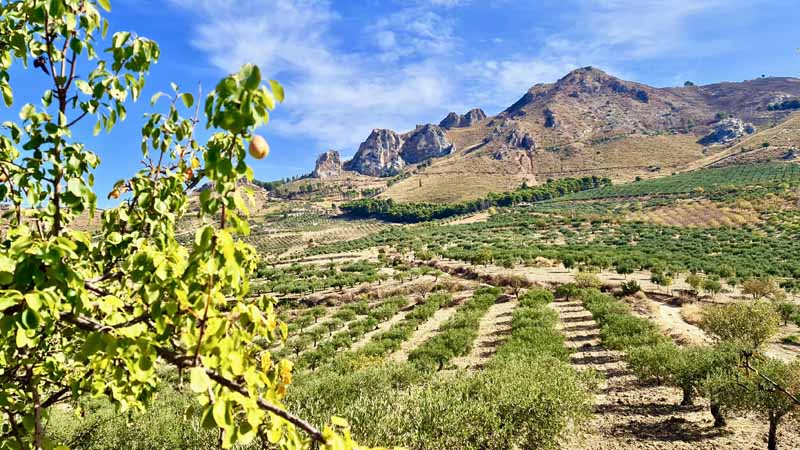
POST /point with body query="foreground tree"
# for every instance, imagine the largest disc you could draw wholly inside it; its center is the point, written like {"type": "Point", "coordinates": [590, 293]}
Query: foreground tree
{"type": "Point", "coordinates": [99, 314]}
{"type": "Point", "coordinates": [757, 392]}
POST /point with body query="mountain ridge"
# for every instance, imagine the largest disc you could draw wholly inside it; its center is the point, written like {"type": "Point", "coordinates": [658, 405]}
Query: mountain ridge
{"type": "Point", "coordinates": [586, 122]}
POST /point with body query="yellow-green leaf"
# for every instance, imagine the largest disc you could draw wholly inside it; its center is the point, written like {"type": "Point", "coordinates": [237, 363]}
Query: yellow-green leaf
{"type": "Point", "coordinates": [199, 380]}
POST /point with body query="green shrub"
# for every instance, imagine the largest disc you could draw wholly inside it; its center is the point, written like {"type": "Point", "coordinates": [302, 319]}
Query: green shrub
{"type": "Point", "coordinates": [630, 287]}
{"type": "Point", "coordinates": [624, 331]}
{"type": "Point", "coordinates": [536, 296]}
{"type": "Point", "coordinates": [751, 324]}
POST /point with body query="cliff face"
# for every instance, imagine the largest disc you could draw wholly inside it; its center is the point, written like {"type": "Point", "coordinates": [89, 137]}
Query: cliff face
{"type": "Point", "coordinates": [329, 165]}
{"type": "Point", "coordinates": [379, 155]}
{"type": "Point", "coordinates": [427, 141]}
{"type": "Point", "coordinates": [385, 153]}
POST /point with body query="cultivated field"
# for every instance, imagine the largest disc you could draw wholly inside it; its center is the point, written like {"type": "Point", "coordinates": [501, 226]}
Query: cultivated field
{"type": "Point", "coordinates": [584, 322]}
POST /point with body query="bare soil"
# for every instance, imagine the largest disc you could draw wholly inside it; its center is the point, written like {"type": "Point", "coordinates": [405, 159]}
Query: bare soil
{"type": "Point", "coordinates": [633, 415]}
{"type": "Point", "coordinates": [494, 328]}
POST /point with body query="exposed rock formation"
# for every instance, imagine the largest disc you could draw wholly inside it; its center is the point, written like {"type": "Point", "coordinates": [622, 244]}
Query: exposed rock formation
{"type": "Point", "coordinates": [379, 155]}
{"type": "Point", "coordinates": [452, 120]}
{"type": "Point", "coordinates": [328, 165]}
{"type": "Point", "coordinates": [727, 130]}
{"type": "Point", "coordinates": [472, 117]}
{"type": "Point", "coordinates": [521, 140]}
{"type": "Point", "coordinates": [425, 142]}
{"type": "Point", "coordinates": [385, 153]}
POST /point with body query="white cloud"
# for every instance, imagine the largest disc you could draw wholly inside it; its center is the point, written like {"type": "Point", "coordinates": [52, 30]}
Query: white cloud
{"type": "Point", "coordinates": [412, 32]}
{"type": "Point", "coordinates": [334, 97]}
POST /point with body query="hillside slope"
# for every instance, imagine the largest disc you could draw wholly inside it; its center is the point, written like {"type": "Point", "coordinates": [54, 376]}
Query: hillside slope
{"type": "Point", "coordinates": [586, 123]}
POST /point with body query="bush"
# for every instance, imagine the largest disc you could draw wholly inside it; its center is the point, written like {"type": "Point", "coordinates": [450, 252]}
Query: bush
{"type": "Point", "coordinates": [630, 287]}
{"type": "Point", "coordinates": [653, 362]}
{"type": "Point", "coordinates": [749, 324]}
{"type": "Point", "coordinates": [588, 280]}
{"type": "Point", "coordinates": [624, 331]}
{"type": "Point", "coordinates": [535, 297]}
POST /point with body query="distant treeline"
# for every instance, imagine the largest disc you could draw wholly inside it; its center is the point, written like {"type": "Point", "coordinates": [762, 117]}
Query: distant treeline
{"type": "Point", "coordinates": [785, 105]}
{"type": "Point", "coordinates": [388, 210]}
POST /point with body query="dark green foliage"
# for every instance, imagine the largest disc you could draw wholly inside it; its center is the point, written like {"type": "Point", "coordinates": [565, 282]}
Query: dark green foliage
{"type": "Point", "coordinates": [387, 209]}
{"type": "Point", "coordinates": [793, 103]}
{"type": "Point", "coordinates": [456, 335]}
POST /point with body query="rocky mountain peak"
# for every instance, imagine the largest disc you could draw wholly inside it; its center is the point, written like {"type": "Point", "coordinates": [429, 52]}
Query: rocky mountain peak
{"type": "Point", "coordinates": [468, 119]}
{"type": "Point", "coordinates": [329, 165]}
{"type": "Point", "coordinates": [379, 155]}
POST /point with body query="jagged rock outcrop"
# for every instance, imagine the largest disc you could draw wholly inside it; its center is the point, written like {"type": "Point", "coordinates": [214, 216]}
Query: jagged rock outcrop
{"type": "Point", "coordinates": [329, 165]}
{"type": "Point", "coordinates": [452, 120]}
{"type": "Point", "coordinates": [425, 142]}
{"type": "Point", "coordinates": [726, 131]}
{"type": "Point", "coordinates": [379, 155]}
{"type": "Point", "coordinates": [469, 119]}
{"type": "Point", "coordinates": [385, 153]}
{"type": "Point", "coordinates": [521, 140]}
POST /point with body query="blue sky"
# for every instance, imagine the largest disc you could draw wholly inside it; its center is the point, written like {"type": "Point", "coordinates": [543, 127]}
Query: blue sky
{"type": "Point", "coordinates": [351, 66]}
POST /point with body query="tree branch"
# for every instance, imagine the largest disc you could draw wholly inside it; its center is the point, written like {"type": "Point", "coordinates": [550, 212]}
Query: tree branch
{"type": "Point", "coordinates": [777, 386]}
{"type": "Point", "coordinates": [179, 361]}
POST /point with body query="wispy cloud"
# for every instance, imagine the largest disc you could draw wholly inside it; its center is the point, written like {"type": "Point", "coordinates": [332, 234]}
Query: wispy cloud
{"type": "Point", "coordinates": [334, 96]}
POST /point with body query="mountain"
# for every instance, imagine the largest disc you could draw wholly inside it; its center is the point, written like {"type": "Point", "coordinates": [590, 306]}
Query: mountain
{"type": "Point", "coordinates": [588, 122]}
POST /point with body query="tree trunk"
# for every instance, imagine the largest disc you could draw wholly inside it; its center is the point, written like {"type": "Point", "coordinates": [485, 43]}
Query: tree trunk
{"type": "Point", "coordinates": [772, 439]}
{"type": "Point", "coordinates": [688, 400]}
{"type": "Point", "coordinates": [719, 417]}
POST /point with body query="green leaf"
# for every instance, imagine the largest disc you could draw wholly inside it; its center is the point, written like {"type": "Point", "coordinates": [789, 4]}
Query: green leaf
{"type": "Point", "coordinates": [56, 8]}
{"type": "Point", "coordinates": [93, 344]}
{"type": "Point", "coordinates": [199, 380]}
{"type": "Point", "coordinates": [188, 99]}
{"type": "Point", "coordinates": [277, 90]}
{"type": "Point", "coordinates": [8, 96]}
{"type": "Point", "coordinates": [221, 416]}
{"type": "Point", "coordinates": [7, 302]}
{"type": "Point", "coordinates": [251, 75]}
{"type": "Point", "coordinates": [339, 422]}
{"type": "Point", "coordinates": [105, 4]}
{"type": "Point", "coordinates": [29, 319]}
{"type": "Point", "coordinates": [155, 97]}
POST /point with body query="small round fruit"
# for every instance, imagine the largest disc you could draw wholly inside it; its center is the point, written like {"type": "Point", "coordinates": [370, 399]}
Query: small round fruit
{"type": "Point", "coordinates": [259, 149]}
{"type": "Point", "coordinates": [3, 178]}
{"type": "Point", "coordinates": [114, 194]}
{"type": "Point", "coordinates": [189, 174]}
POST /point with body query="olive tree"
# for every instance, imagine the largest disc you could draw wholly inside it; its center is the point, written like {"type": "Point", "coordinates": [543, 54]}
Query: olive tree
{"type": "Point", "coordinates": [752, 324]}
{"type": "Point", "coordinates": [99, 314]}
{"type": "Point", "coordinates": [758, 392]}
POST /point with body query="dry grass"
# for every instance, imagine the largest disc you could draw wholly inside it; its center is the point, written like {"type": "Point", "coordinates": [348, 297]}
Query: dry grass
{"type": "Point", "coordinates": [692, 313]}
{"type": "Point", "coordinates": [697, 214]}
